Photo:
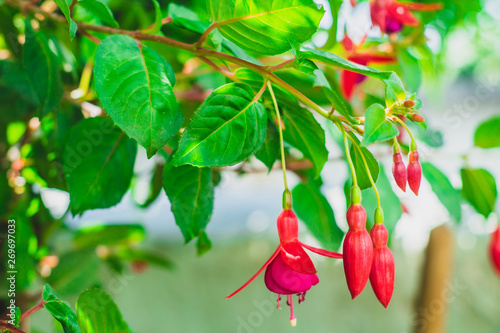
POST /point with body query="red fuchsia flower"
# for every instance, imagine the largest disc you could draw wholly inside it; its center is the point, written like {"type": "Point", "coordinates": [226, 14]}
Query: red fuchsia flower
{"type": "Point", "coordinates": [357, 250]}
{"type": "Point", "coordinates": [414, 172]}
{"type": "Point", "coordinates": [495, 250]}
{"type": "Point", "coordinates": [390, 16]}
{"type": "Point", "coordinates": [290, 271]}
{"type": "Point", "coordinates": [382, 273]}
{"type": "Point", "coordinates": [349, 80]}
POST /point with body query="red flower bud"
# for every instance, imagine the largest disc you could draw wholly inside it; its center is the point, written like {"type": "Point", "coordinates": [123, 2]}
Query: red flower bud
{"type": "Point", "coordinates": [495, 250]}
{"type": "Point", "coordinates": [414, 172]}
{"type": "Point", "coordinates": [409, 104]}
{"type": "Point", "coordinates": [358, 251]}
{"type": "Point", "coordinates": [417, 118]}
{"type": "Point", "coordinates": [382, 272]}
{"type": "Point", "coordinates": [399, 171]}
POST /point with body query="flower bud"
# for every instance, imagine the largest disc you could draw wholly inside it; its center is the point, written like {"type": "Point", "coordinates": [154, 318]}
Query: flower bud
{"type": "Point", "coordinates": [382, 270]}
{"type": "Point", "coordinates": [358, 251]}
{"type": "Point", "coordinates": [414, 172]}
{"type": "Point", "coordinates": [399, 171]}
{"type": "Point", "coordinates": [417, 118]}
{"type": "Point", "coordinates": [409, 104]}
{"type": "Point", "coordinates": [495, 250]}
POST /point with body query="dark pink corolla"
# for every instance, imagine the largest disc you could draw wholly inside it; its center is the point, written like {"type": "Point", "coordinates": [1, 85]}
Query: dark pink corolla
{"type": "Point", "coordinates": [289, 270]}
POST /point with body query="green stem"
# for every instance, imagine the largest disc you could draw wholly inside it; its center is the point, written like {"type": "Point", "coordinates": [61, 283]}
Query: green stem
{"type": "Point", "coordinates": [406, 128]}
{"type": "Point", "coordinates": [280, 130]}
{"type": "Point", "coordinates": [348, 155]}
{"type": "Point", "coordinates": [375, 189]}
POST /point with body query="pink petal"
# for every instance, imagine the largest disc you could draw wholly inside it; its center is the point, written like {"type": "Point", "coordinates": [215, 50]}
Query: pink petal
{"type": "Point", "coordinates": [281, 279]}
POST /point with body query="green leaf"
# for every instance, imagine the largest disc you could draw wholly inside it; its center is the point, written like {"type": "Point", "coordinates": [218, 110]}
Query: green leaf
{"type": "Point", "coordinates": [479, 189]}
{"type": "Point", "coordinates": [158, 19]}
{"type": "Point", "coordinates": [191, 194]}
{"type": "Point", "coordinates": [63, 5]}
{"type": "Point", "coordinates": [99, 10]}
{"type": "Point", "coordinates": [98, 164]}
{"type": "Point", "coordinates": [362, 175]}
{"type": "Point", "coordinates": [304, 133]}
{"type": "Point", "coordinates": [131, 254]}
{"type": "Point", "coordinates": [100, 234]}
{"type": "Point", "coordinates": [97, 313]}
{"type": "Point", "coordinates": [412, 73]}
{"type": "Point", "coordinates": [315, 210]}
{"type": "Point", "coordinates": [377, 127]}
{"type": "Point", "coordinates": [335, 60]}
{"type": "Point", "coordinates": [76, 271]}
{"type": "Point", "coordinates": [42, 68]}
{"type": "Point", "coordinates": [135, 86]}
{"type": "Point", "coordinates": [389, 201]}
{"type": "Point", "coordinates": [487, 134]}
{"type": "Point", "coordinates": [269, 152]}
{"type": "Point", "coordinates": [186, 18]}
{"type": "Point", "coordinates": [266, 27]}
{"type": "Point", "coordinates": [14, 81]}
{"type": "Point", "coordinates": [60, 310]}
{"type": "Point", "coordinates": [394, 91]}
{"type": "Point", "coordinates": [449, 196]}
{"type": "Point", "coordinates": [203, 244]}
{"type": "Point", "coordinates": [227, 128]}
{"type": "Point", "coordinates": [15, 131]}
{"type": "Point", "coordinates": [155, 186]}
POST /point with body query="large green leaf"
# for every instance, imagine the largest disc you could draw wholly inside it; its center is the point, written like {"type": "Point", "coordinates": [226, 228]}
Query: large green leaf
{"type": "Point", "coordinates": [377, 127]}
{"type": "Point", "coordinates": [487, 134]}
{"type": "Point", "coordinates": [315, 210]}
{"type": "Point", "coordinates": [97, 313]}
{"type": "Point", "coordinates": [304, 133]}
{"type": "Point", "coordinates": [60, 310]}
{"type": "Point", "coordinates": [226, 129]}
{"type": "Point", "coordinates": [134, 85]}
{"type": "Point", "coordinates": [266, 27]}
{"type": "Point", "coordinates": [269, 152]}
{"type": "Point", "coordinates": [98, 164]}
{"type": "Point", "coordinates": [446, 193]}
{"type": "Point", "coordinates": [394, 90]}
{"type": "Point", "coordinates": [42, 68]}
{"type": "Point", "coordinates": [479, 189]}
{"type": "Point", "coordinates": [361, 173]}
{"type": "Point", "coordinates": [64, 6]}
{"type": "Point", "coordinates": [412, 73]}
{"type": "Point", "coordinates": [99, 10]}
{"type": "Point", "coordinates": [191, 194]}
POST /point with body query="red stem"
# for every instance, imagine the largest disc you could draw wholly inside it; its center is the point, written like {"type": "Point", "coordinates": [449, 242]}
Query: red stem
{"type": "Point", "coordinates": [32, 310]}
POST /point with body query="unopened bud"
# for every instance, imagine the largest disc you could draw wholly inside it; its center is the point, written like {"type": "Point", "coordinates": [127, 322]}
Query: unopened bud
{"type": "Point", "coordinates": [399, 171]}
{"type": "Point", "coordinates": [414, 172]}
{"type": "Point", "coordinates": [409, 104]}
{"type": "Point", "coordinates": [417, 118]}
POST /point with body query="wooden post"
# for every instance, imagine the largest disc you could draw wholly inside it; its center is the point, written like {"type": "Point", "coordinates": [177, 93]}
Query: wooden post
{"type": "Point", "coordinates": [436, 291]}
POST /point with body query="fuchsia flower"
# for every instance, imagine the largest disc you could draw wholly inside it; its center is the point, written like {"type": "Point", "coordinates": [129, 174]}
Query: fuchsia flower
{"type": "Point", "coordinates": [399, 170]}
{"type": "Point", "coordinates": [382, 273]}
{"type": "Point", "coordinates": [495, 250]}
{"type": "Point", "coordinates": [390, 16]}
{"type": "Point", "coordinates": [290, 271]}
{"type": "Point", "coordinates": [414, 172]}
{"type": "Point", "coordinates": [349, 80]}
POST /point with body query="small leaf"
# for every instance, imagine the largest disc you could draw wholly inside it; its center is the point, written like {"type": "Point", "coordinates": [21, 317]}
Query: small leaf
{"type": "Point", "coordinates": [377, 127]}
{"type": "Point", "coordinates": [98, 164]}
{"type": "Point", "coordinates": [158, 19]}
{"type": "Point", "coordinates": [131, 254]}
{"type": "Point", "coordinates": [449, 196]}
{"type": "Point", "coordinates": [64, 6]}
{"type": "Point", "coordinates": [363, 179]}
{"type": "Point", "coordinates": [315, 210]}
{"type": "Point", "coordinates": [304, 133]}
{"type": "Point", "coordinates": [99, 10]}
{"type": "Point", "coordinates": [100, 234]}
{"type": "Point", "coordinates": [269, 152]}
{"type": "Point", "coordinates": [186, 18]}
{"type": "Point", "coordinates": [60, 310]}
{"type": "Point", "coordinates": [487, 134]}
{"type": "Point", "coordinates": [191, 194]}
{"type": "Point", "coordinates": [135, 87]}
{"type": "Point", "coordinates": [226, 129]}
{"type": "Point", "coordinates": [42, 68]}
{"type": "Point", "coordinates": [394, 91]}
{"type": "Point", "coordinates": [155, 186]}
{"type": "Point", "coordinates": [479, 189]}
{"type": "Point", "coordinates": [265, 27]}
{"type": "Point", "coordinates": [97, 313]}
{"type": "Point", "coordinates": [203, 244]}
